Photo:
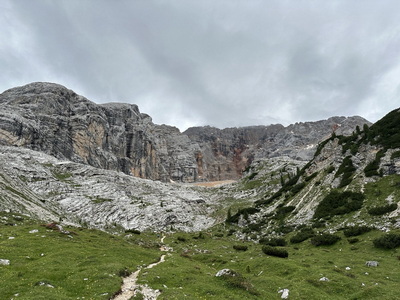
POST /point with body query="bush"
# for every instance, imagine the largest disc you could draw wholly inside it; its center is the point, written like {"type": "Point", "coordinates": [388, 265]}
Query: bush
{"type": "Point", "coordinates": [330, 169]}
{"type": "Point", "coordinates": [336, 203]}
{"type": "Point", "coordinates": [244, 211]}
{"type": "Point", "coordinates": [181, 239]}
{"type": "Point", "coordinates": [325, 239]}
{"type": "Point", "coordinates": [278, 252]}
{"type": "Point", "coordinates": [356, 230]}
{"type": "Point", "coordinates": [381, 210]}
{"type": "Point", "coordinates": [240, 247]}
{"type": "Point", "coordinates": [301, 236]}
{"type": "Point", "coordinates": [388, 241]}
{"type": "Point", "coordinates": [353, 240]}
{"type": "Point", "coordinates": [282, 211]}
{"type": "Point", "coordinates": [395, 155]}
{"type": "Point", "coordinates": [273, 242]}
{"type": "Point", "coordinates": [372, 168]}
{"type": "Point", "coordinates": [134, 231]}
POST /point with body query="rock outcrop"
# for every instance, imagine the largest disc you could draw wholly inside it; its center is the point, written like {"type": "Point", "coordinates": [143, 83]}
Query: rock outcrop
{"type": "Point", "coordinates": [226, 153]}
{"type": "Point", "coordinates": [41, 186]}
{"type": "Point", "coordinates": [50, 118]}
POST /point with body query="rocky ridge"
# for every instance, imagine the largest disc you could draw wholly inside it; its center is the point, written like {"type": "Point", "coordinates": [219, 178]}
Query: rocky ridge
{"type": "Point", "coordinates": [50, 118]}
{"type": "Point", "coordinates": [226, 153]}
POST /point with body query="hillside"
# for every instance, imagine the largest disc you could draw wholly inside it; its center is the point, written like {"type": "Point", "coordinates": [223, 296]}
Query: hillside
{"type": "Point", "coordinates": [350, 181]}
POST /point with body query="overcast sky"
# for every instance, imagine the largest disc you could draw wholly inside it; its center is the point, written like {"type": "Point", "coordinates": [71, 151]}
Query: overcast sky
{"type": "Point", "coordinates": [220, 63]}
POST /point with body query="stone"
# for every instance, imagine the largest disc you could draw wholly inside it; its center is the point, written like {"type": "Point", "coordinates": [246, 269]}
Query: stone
{"type": "Point", "coordinates": [226, 272]}
{"type": "Point", "coordinates": [371, 263]}
{"type": "Point", "coordinates": [4, 262]}
{"type": "Point", "coordinates": [285, 293]}
{"type": "Point", "coordinates": [324, 279]}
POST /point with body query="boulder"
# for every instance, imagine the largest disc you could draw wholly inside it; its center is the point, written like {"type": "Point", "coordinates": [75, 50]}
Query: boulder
{"type": "Point", "coordinates": [226, 272]}
{"type": "Point", "coordinates": [371, 263]}
{"type": "Point", "coordinates": [4, 262]}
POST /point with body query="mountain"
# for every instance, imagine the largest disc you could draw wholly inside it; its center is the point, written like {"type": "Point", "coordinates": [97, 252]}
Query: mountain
{"type": "Point", "coordinates": [351, 180]}
{"type": "Point", "coordinates": [323, 228]}
{"type": "Point", "coordinates": [225, 153]}
{"type": "Point", "coordinates": [50, 118]}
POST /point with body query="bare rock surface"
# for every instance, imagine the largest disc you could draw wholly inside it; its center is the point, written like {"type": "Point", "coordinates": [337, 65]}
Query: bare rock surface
{"type": "Point", "coordinates": [45, 187]}
{"type": "Point", "coordinates": [225, 153]}
{"type": "Point", "coordinates": [50, 118]}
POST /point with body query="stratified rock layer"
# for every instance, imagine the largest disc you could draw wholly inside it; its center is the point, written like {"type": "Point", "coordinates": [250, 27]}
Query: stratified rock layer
{"type": "Point", "coordinates": [226, 153]}
{"type": "Point", "coordinates": [50, 118]}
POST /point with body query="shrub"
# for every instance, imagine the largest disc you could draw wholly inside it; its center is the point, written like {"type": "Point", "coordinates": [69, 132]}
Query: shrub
{"type": "Point", "coordinates": [353, 240]}
{"type": "Point", "coordinates": [181, 239]}
{"type": "Point", "coordinates": [330, 169]}
{"type": "Point", "coordinates": [381, 210]}
{"type": "Point", "coordinates": [356, 230]}
{"type": "Point", "coordinates": [240, 247]}
{"type": "Point", "coordinates": [395, 155]}
{"type": "Point", "coordinates": [244, 211]}
{"type": "Point", "coordinates": [231, 232]}
{"type": "Point", "coordinates": [282, 211]}
{"type": "Point", "coordinates": [388, 241]}
{"type": "Point", "coordinates": [336, 203]}
{"type": "Point", "coordinates": [301, 236]}
{"type": "Point", "coordinates": [372, 168]}
{"type": "Point", "coordinates": [273, 242]}
{"type": "Point", "coordinates": [313, 175]}
{"type": "Point", "coordinates": [278, 252]}
{"type": "Point", "coordinates": [325, 239]}
{"type": "Point", "coordinates": [134, 231]}
{"type": "Point", "coordinates": [347, 169]}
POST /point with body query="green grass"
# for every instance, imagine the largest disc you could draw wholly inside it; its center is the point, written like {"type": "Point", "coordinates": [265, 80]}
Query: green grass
{"type": "Point", "coordinates": [189, 272]}
{"type": "Point", "coordinates": [85, 264]}
{"type": "Point", "coordinates": [89, 264]}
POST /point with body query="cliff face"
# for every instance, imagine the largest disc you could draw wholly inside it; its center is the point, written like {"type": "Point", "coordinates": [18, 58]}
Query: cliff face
{"type": "Point", "coordinates": [226, 153]}
{"type": "Point", "coordinates": [50, 118]}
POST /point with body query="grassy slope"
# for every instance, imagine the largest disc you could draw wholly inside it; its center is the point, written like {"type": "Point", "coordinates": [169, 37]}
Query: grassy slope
{"type": "Point", "coordinates": [189, 273]}
{"type": "Point", "coordinates": [86, 265]}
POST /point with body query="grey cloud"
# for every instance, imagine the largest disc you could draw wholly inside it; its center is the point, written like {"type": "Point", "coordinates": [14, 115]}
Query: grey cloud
{"type": "Point", "coordinates": [223, 63]}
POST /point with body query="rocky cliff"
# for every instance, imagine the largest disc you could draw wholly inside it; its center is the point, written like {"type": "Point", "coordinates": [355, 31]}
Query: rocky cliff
{"type": "Point", "coordinates": [50, 118]}
{"type": "Point", "coordinates": [226, 153]}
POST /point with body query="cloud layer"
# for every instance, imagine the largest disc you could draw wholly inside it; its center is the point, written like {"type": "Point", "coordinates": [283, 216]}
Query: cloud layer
{"type": "Point", "coordinates": [220, 63]}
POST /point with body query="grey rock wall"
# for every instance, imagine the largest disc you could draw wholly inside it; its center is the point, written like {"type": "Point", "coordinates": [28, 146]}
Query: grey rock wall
{"type": "Point", "coordinates": [50, 118]}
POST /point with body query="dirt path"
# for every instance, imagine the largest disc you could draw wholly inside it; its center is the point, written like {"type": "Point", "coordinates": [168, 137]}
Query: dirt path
{"type": "Point", "coordinates": [130, 287]}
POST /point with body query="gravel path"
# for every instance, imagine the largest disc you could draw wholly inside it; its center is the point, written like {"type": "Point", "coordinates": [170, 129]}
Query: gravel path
{"type": "Point", "coordinates": [130, 286]}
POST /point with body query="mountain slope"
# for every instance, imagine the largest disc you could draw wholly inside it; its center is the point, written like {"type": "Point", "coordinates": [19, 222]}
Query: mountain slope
{"type": "Point", "coordinates": [44, 187]}
{"type": "Point", "coordinates": [348, 178]}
